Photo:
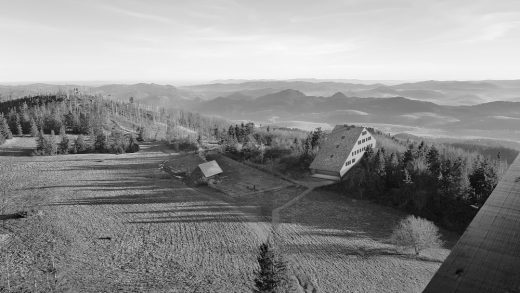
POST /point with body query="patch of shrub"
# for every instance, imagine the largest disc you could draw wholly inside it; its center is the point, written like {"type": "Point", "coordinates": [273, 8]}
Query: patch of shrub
{"type": "Point", "coordinates": [100, 143]}
{"type": "Point", "coordinates": [184, 145]}
{"type": "Point", "coordinates": [118, 142]}
{"type": "Point", "coordinates": [132, 146]}
{"type": "Point", "coordinates": [417, 233]}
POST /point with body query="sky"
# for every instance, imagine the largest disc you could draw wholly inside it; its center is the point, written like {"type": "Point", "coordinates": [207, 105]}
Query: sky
{"type": "Point", "coordinates": [197, 40]}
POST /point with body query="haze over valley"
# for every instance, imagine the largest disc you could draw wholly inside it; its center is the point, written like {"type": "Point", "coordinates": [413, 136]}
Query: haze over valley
{"type": "Point", "coordinates": [471, 109]}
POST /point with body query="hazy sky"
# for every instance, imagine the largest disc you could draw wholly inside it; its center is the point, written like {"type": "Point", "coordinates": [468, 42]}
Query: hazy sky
{"type": "Point", "coordinates": [57, 40]}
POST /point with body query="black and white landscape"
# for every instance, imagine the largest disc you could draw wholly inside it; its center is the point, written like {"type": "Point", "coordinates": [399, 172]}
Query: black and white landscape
{"type": "Point", "coordinates": [259, 146]}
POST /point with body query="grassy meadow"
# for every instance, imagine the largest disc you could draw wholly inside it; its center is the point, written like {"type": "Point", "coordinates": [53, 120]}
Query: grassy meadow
{"type": "Point", "coordinates": [106, 223]}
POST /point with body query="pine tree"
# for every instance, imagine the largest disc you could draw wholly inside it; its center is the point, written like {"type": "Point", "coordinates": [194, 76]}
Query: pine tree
{"type": "Point", "coordinates": [52, 145]}
{"type": "Point", "coordinates": [4, 128]}
{"type": "Point", "coordinates": [48, 144]}
{"type": "Point", "coordinates": [64, 143]}
{"type": "Point", "coordinates": [33, 128]}
{"type": "Point", "coordinates": [433, 160]}
{"type": "Point", "coordinates": [408, 158]}
{"type": "Point", "coordinates": [80, 145]}
{"type": "Point", "coordinates": [273, 270]}
{"type": "Point", "coordinates": [483, 180]}
{"type": "Point", "coordinates": [40, 143]}
{"type": "Point", "coordinates": [17, 124]}
{"type": "Point", "coordinates": [100, 143]}
{"type": "Point", "coordinates": [379, 164]}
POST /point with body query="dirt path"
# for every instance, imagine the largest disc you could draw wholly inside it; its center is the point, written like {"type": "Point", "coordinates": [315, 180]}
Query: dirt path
{"type": "Point", "coordinates": [106, 223]}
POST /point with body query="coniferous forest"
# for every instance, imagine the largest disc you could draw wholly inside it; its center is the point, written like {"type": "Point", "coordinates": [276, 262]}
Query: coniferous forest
{"type": "Point", "coordinates": [441, 182]}
{"type": "Point", "coordinates": [77, 123]}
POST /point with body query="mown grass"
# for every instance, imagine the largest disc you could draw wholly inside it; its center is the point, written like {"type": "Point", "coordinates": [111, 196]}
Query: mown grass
{"type": "Point", "coordinates": [106, 223]}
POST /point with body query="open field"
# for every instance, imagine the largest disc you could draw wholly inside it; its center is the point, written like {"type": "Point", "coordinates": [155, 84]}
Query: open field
{"type": "Point", "coordinates": [117, 223]}
{"type": "Point", "coordinates": [342, 246]}
{"type": "Point", "coordinates": [105, 223]}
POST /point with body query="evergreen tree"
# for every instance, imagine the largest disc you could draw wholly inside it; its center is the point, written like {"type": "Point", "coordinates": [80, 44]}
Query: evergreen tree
{"type": "Point", "coordinates": [273, 270]}
{"type": "Point", "coordinates": [316, 137]}
{"type": "Point", "coordinates": [52, 144]}
{"type": "Point", "coordinates": [408, 158]}
{"type": "Point", "coordinates": [118, 144]}
{"type": "Point", "coordinates": [4, 128]}
{"type": "Point", "coordinates": [80, 145]}
{"type": "Point", "coordinates": [50, 147]}
{"type": "Point", "coordinates": [100, 142]}
{"type": "Point", "coordinates": [64, 145]}
{"type": "Point", "coordinates": [33, 128]}
{"type": "Point", "coordinates": [18, 124]}
{"type": "Point", "coordinates": [483, 180]}
{"type": "Point", "coordinates": [40, 142]}
{"type": "Point", "coordinates": [433, 161]}
{"type": "Point", "coordinates": [379, 164]}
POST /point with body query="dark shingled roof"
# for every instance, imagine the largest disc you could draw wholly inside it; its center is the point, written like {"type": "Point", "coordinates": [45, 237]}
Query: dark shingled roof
{"type": "Point", "coordinates": [338, 143]}
{"type": "Point", "coordinates": [487, 256]}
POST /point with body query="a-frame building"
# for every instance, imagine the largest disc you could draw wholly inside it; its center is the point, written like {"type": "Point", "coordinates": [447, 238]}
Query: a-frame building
{"type": "Point", "coordinates": [340, 151]}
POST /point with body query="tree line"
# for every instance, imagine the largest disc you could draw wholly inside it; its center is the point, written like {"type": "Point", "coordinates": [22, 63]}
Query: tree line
{"type": "Point", "coordinates": [440, 182]}
{"type": "Point", "coordinates": [437, 182]}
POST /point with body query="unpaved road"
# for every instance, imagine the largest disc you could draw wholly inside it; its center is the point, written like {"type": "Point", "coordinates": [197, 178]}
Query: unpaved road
{"type": "Point", "coordinates": [107, 223]}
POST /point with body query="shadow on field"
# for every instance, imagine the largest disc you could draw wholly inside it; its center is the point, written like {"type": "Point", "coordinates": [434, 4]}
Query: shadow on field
{"type": "Point", "coordinates": [326, 213]}
{"type": "Point", "coordinates": [137, 180]}
{"type": "Point", "coordinates": [360, 251]}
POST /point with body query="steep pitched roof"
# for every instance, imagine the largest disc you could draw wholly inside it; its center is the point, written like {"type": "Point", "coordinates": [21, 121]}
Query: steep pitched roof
{"type": "Point", "coordinates": [487, 256]}
{"type": "Point", "coordinates": [210, 168]}
{"type": "Point", "coordinates": [336, 148]}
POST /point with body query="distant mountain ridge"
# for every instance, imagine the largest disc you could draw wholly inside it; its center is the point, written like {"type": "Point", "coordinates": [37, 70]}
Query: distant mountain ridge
{"type": "Point", "coordinates": [145, 93]}
{"type": "Point", "coordinates": [340, 108]}
{"type": "Point", "coordinates": [489, 105]}
{"type": "Point", "coordinates": [440, 92]}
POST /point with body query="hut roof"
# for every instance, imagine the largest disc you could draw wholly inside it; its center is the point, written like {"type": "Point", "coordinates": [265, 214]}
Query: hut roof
{"type": "Point", "coordinates": [210, 168]}
{"type": "Point", "coordinates": [335, 149]}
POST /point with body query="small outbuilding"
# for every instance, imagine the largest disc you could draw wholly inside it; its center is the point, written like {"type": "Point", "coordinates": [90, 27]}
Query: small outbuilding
{"type": "Point", "coordinates": [210, 168]}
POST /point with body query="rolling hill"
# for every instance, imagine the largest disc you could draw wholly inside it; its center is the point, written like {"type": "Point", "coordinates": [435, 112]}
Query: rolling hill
{"type": "Point", "coordinates": [292, 105]}
{"type": "Point", "coordinates": [440, 92]}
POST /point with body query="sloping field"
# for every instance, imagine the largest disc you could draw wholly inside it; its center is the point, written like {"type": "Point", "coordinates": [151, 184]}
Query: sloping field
{"type": "Point", "coordinates": [117, 223]}
{"type": "Point", "coordinates": [107, 223]}
{"type": "Point", "coordinates": [341, 245]}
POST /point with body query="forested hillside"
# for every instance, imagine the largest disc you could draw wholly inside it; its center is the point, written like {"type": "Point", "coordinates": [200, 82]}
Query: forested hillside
{"type": "Point", "coordinates": [93, 116]}
{"type": "Point", "coordinates": [444, 183]}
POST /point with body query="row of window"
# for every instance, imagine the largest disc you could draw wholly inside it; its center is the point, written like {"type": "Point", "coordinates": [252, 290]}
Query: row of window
{"type": "Point", "coordinates": [350, 162]}
{"type": "Point", "coordinates": [364, 140]}
{"type": "Point", "coordinates": [362, 149]}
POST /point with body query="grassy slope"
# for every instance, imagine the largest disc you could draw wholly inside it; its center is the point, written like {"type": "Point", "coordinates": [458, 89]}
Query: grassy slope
{"type": "Point", "coordinates": [168, 237]}
{"type": "Point", "coordinates": [164, 236]}
{"type": "Point", "coordinates": [342, 245]}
